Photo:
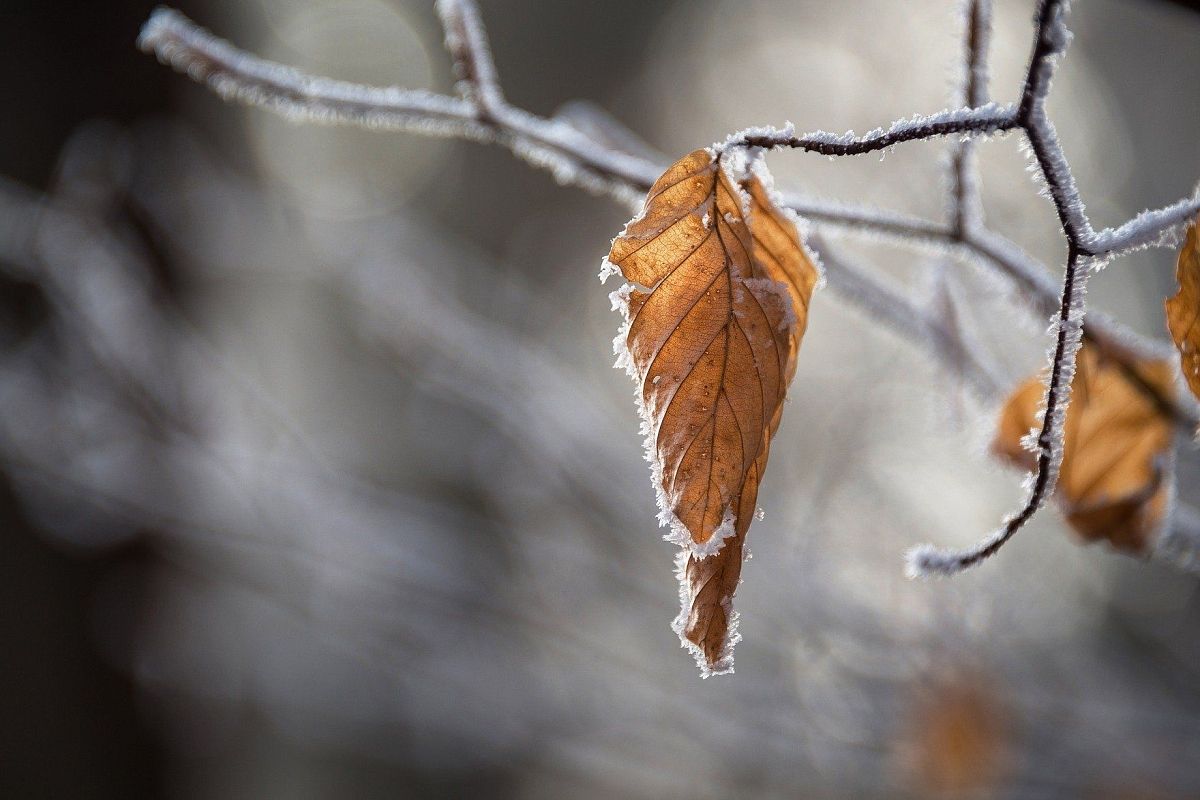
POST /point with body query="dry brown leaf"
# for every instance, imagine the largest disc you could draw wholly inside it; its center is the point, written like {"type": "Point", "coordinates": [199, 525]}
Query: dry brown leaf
{"type": "Point", "coordinates": [715, 307]}
{"type": "Point", "coordinates": [1183, 311]}
{"type": "Point", "coordinates": [1115, 482]}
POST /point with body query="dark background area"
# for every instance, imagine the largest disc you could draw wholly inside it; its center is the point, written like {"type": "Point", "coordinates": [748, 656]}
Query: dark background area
{"type": "Point", "coordinates": [72, 722]}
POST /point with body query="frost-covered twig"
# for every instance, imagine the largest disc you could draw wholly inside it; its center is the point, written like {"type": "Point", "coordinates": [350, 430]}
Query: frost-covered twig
{"type": "Point", "coordinates": [887, 303]}
{"type": "Point", "coordinates": [965, 207]}
{"type": "Point", "coordinates": [570, 153]}
{"type": "Point", "coordinates": [978, 40]}
{"type": "Point", "coordinates": [547, 143]}
{"type": "Point", "coordinates": [870, 220]}
{"type": "Point", "coordinates": [235, 75]}
{"type": "Point", "coordinates": [483, 114]}
{"type": "Point", "coordinates": [967, 121]}
{"type": "Point", "coordinates": [1147, 229]}
{"type": "Point", "coordinates": [553, 144]}
{"type": "Point", "coordinates": [1117, 342]}
{"type": "Point", "coordinates": [1050, 42]}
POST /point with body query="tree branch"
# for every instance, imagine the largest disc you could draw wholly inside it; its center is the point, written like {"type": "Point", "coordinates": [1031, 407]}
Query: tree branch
{"type": "Point", "coordinates": [573, 156]}
{"type": "Point", "coordinates": [1147, 229]}
{"type": "Point", "coordinates": [483, 114]}
{"type": "Point", "coordinates": [1050, 42]}
{"type": "Point", "coordinates": [553, 144]}
{"type": "Point", "coordinates": [238, 76]}
{"type": "Point", "coordinates": [882, 301]}
{"type": "Point", "coordinates": [235, 75]}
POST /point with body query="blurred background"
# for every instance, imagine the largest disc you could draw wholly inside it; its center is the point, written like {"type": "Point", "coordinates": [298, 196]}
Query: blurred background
{"type": "Point", "coordinates": [317, 481]}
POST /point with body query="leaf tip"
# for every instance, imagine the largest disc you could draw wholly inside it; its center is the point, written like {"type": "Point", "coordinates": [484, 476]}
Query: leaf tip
{"type": "Point", "coordinates": [719, 662]}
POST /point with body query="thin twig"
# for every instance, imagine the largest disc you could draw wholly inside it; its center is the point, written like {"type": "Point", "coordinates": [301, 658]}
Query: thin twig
{"type": "Point", "coordinates": [965, 208]}
{"type": "Point", "coordinates": [1050, 41]}
{"type": "Point", "coordinates": [235, 75]}
{"type": "Point", "coordinates": [1148, 229]}
{"type": "Point", "coordinates": [238, 76]}
{"type": "Point", "coordinates": [1114, 340]}
{"type": "Point", "coordinates": [1043, 139]}
{"type": "Point", "coordinates": [970, 121]}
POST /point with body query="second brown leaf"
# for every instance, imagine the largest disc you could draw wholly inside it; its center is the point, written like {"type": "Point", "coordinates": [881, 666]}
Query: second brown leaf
{"type": "Point", "coordinates": [1116, 479]}
{"type": "Point", "coordinates": [1183, 311]}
